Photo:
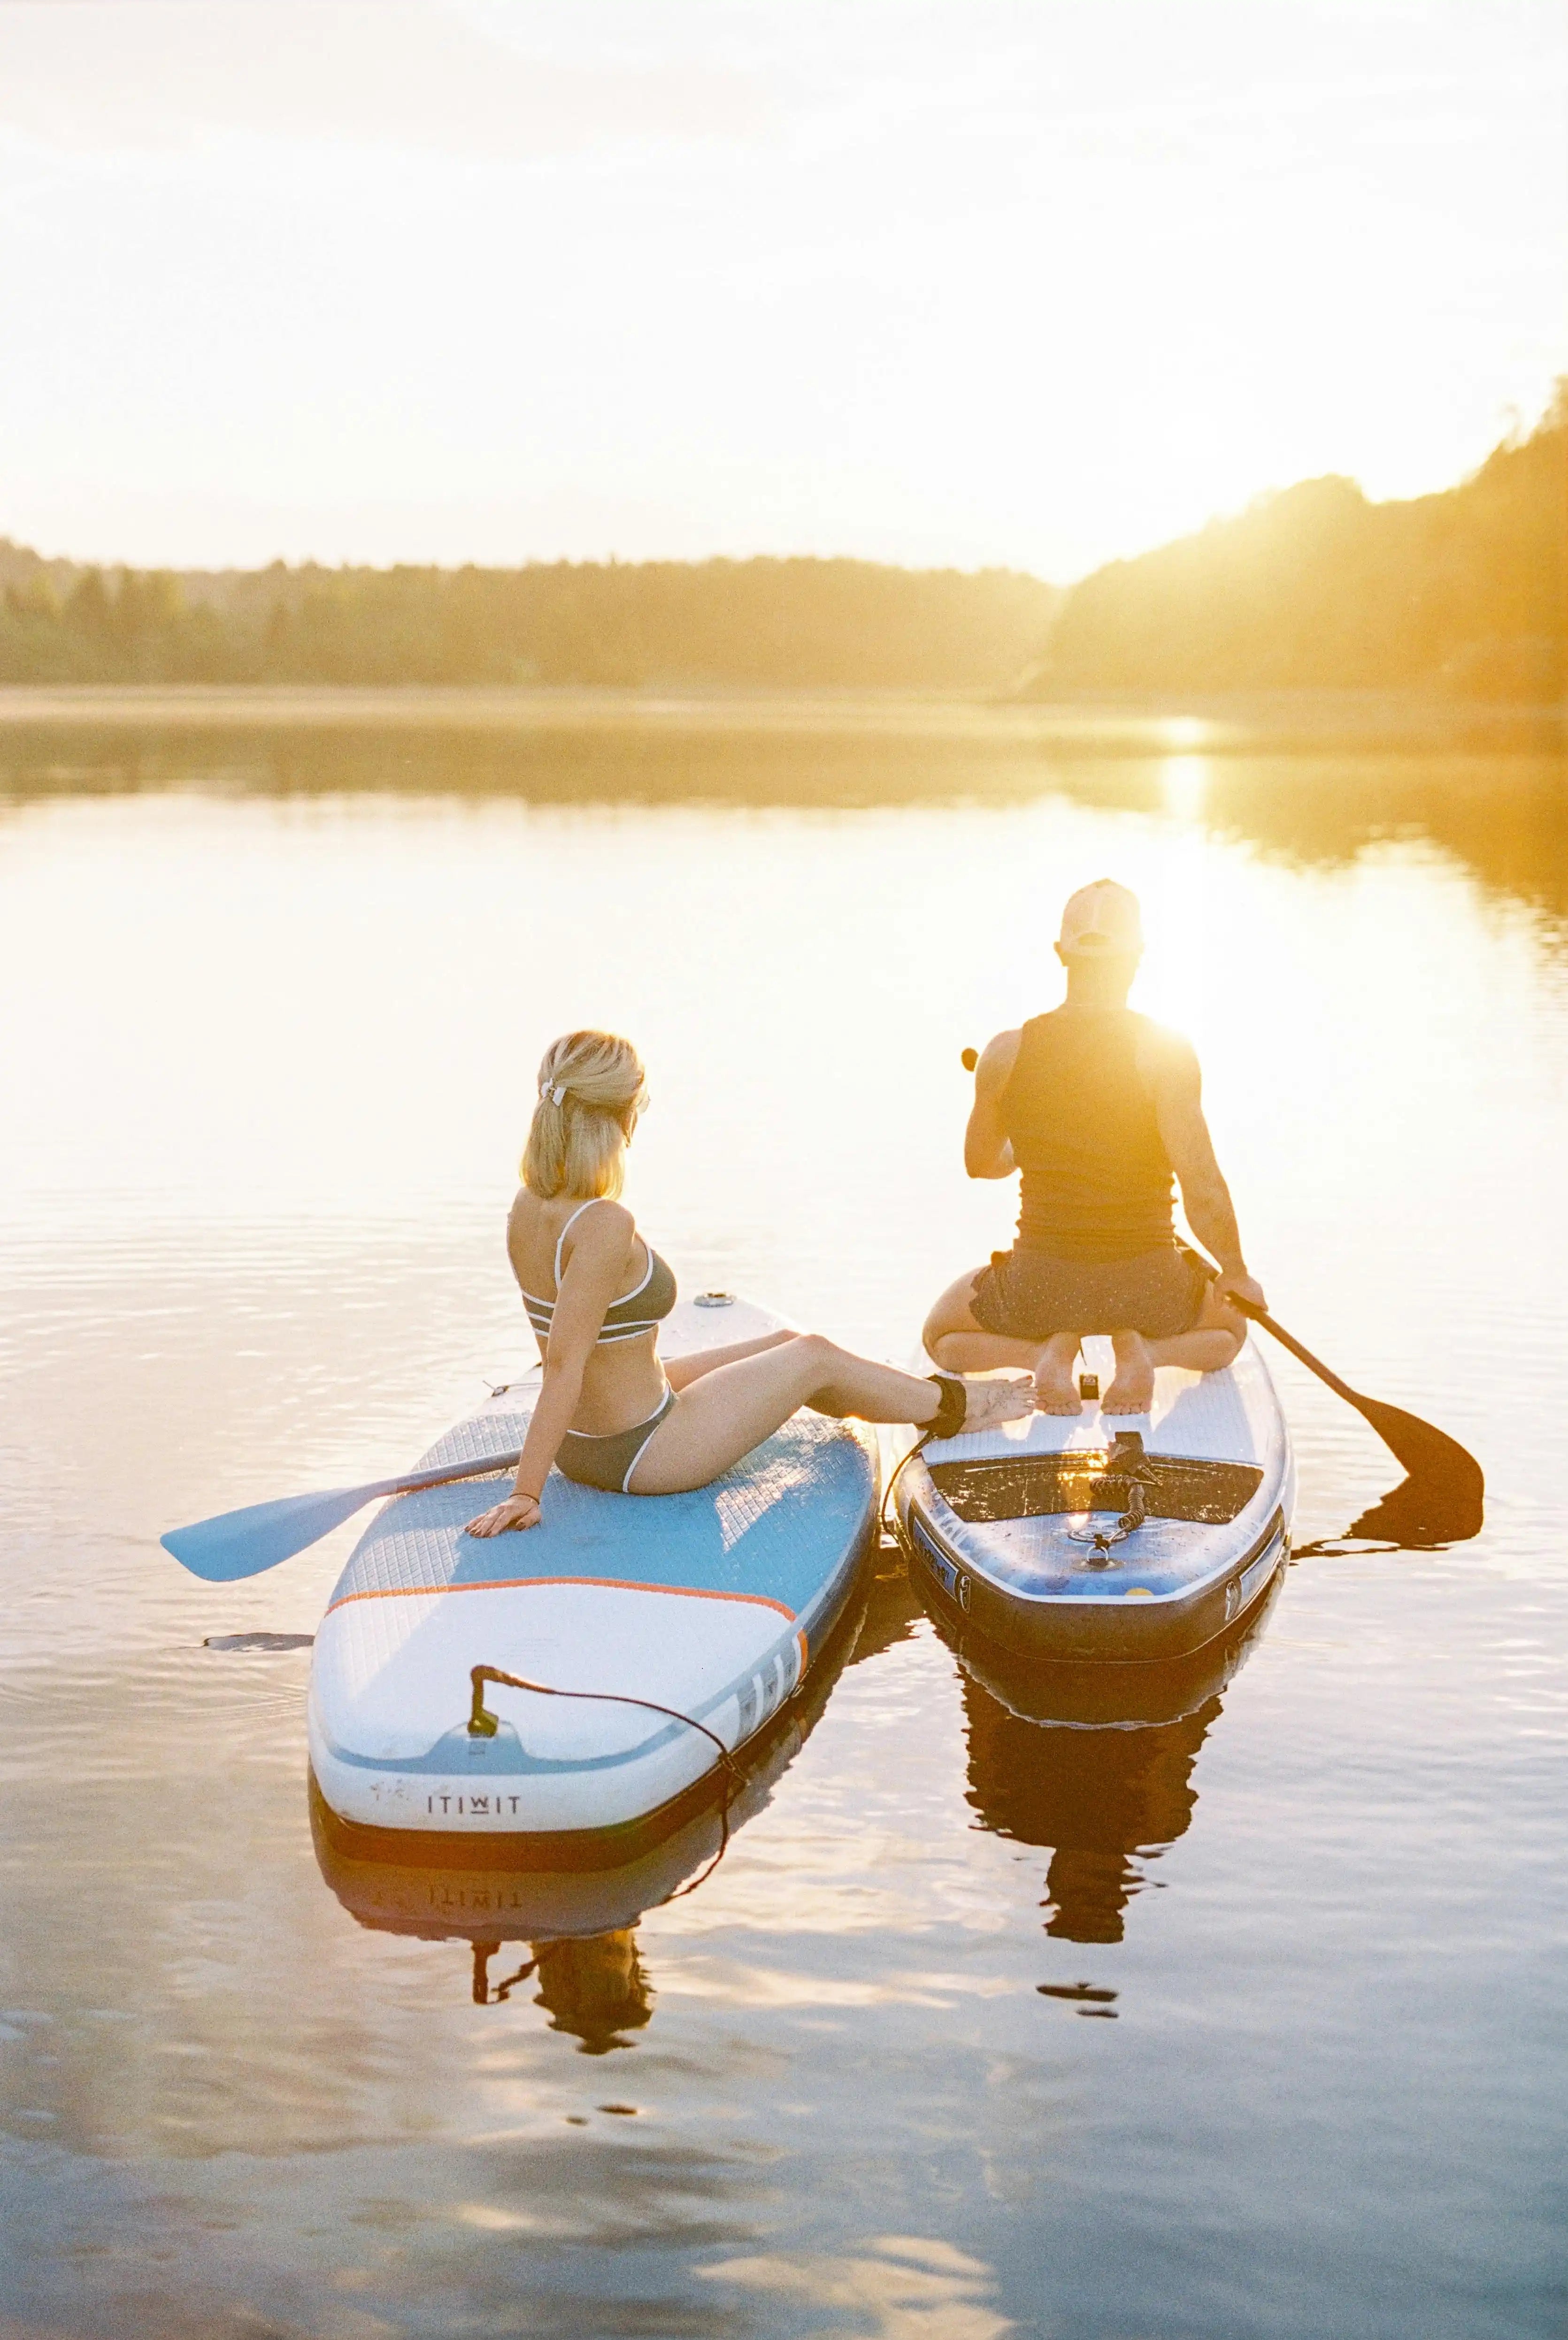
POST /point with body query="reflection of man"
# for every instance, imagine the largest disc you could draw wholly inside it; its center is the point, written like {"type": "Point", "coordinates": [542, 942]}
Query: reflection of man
{"type": "Point", "coordinates": [1097, 1107]}
{"type": "Point", "coordinates": [593, 1985]}
{"type": "Point", "coordinates": [1104, 1801]}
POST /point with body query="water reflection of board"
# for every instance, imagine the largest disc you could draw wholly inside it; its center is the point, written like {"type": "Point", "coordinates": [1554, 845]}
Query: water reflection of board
{"type": "Point", "coordinates": [713, 1603]}
{"type": "Point", "coordinates": [1065, 1537]}
{"type": "Point", "coordinates": [1093, 1761]}
{"type": "Point", "coordinates": [464, 1889]}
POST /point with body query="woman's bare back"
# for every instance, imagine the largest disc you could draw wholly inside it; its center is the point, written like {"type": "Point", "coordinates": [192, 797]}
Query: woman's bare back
{"type": "Point", "coordinates": [621, 1379]}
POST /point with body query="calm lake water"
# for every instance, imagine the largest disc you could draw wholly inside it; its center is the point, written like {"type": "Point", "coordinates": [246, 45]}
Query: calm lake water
{"type": "Point", "coordinates": [267, 1054]}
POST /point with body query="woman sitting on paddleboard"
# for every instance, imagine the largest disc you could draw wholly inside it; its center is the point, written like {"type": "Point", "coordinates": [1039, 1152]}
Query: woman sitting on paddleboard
{"type": "Point", "coordinates": [611, 1414]}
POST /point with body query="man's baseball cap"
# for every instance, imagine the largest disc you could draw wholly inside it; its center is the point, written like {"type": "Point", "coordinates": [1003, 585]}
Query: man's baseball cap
{"type": "Point", "coordinates": [1100, 919]}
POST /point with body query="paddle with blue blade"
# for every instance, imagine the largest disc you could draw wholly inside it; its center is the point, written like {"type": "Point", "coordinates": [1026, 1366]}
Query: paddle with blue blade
{"type": "Point", "coordinates": [249, 1542]}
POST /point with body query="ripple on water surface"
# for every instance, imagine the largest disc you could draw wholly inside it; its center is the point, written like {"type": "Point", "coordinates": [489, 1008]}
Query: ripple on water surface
{"type": "Point", "coordinates": [1231, 2013]}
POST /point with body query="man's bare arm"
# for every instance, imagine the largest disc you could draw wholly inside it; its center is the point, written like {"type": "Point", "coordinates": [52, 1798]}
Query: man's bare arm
{"type": "Point", "coordinates": [1204, 1197]}
{"type": "Point", "coordinates": [986, 1151]}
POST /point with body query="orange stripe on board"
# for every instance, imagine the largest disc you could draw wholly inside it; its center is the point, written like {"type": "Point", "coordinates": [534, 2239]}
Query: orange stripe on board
{"type": "Point", "coordinates": [515, 1583]}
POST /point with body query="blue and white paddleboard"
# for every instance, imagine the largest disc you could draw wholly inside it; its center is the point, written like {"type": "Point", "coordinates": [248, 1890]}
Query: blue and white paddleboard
{"type": "Point", "coordinates": [1100, 1536]}
{"type": "Point", "coordinates": [452, 1889]}
{"type": "Point", "coordinates": [713, 1603]}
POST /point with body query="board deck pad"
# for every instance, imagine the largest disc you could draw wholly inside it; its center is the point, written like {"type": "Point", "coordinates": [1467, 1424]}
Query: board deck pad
{"type": "Point", "coordinates": [1019, 1560]}
{"type": "Point", "coordinates": [710, 1603]}
{"type": "Point", "coordinates": [1227, 1416]}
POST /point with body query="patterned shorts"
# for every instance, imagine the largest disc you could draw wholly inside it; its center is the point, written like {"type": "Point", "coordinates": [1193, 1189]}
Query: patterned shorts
{"type": "Point", "coordinates": [1028, 1295]}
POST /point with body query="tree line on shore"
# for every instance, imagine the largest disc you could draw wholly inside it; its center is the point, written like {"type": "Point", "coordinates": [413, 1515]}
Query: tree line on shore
{"type": "Point", "coordinates": [762, 622]}
{"type": "Point", "coordinates": [1464, 593]}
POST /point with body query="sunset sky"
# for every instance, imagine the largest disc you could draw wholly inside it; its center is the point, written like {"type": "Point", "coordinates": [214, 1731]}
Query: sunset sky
{"type": "Point", "coordinates": [1032, 281]}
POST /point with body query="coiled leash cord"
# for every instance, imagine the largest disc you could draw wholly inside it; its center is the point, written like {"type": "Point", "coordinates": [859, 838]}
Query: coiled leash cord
{"type": "Point", "coordinates": [946, 1422]}
{"type": "Point", "coordinates": [483, 1724]}
{"type": "Point", "coordinates": [891, 1527]}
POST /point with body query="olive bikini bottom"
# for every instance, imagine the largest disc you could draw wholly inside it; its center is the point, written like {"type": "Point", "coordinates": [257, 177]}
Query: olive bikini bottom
{"type": "Point", "coordinates": [609, 1462]}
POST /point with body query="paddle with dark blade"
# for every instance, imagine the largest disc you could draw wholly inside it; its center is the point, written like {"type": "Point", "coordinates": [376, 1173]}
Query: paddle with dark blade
{"type": "Point", "coordinates": [245, 1542]}
{"type": "Point", "coordinates": [1443, 1501]}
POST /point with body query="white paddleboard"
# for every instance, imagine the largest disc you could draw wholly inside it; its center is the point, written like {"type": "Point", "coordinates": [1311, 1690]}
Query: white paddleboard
{"type": "Point", "coordinates": [713, 1603]}
{"type": "Point", "coordinates": [1031, 1534]}
{"type": "Point", "coordinates": [457, 1887]}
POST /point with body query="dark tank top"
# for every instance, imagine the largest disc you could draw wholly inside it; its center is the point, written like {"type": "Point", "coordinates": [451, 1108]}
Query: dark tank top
{"type": "Point", "coordinates": [1097, 1179]}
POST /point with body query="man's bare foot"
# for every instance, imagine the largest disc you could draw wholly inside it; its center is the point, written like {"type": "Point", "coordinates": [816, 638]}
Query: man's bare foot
{"type": "Point", "coordinates": [1132, 1388]}
{"type": "Point", "coordinates": [1055, 1389]}
{"type": "Point", "coordinates": [992, 1402]}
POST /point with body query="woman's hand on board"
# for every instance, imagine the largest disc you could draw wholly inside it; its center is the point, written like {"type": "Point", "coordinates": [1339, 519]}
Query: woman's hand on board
{"type": "Point", "coordinates": [518, 1511]}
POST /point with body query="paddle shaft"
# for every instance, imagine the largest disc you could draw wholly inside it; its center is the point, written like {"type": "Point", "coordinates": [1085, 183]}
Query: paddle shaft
{"type": "Point", "coordinates": [1419, 1445]}
{"type": "Point", "coordinates": [1326, 1374]}
{"type": "Point", "coordinates": [1297, 1349]}
{"type": "Point", "coordinates": [412, 1480]}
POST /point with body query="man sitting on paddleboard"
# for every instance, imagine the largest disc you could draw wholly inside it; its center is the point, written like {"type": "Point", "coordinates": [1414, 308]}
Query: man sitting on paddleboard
{"type": "Point", "coordinates": [1099, 1109]}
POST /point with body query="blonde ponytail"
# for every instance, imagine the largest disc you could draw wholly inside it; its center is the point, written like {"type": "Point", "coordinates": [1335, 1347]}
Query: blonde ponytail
{"type": "Point", "coordinates": [590, 1089]}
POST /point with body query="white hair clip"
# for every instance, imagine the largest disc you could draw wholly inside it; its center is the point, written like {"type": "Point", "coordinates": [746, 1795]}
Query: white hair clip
{"type": "Point", "coordinates": [553, 1095]}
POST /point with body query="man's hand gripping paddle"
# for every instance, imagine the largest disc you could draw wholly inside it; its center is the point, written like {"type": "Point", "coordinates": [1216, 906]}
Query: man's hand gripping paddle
{"type": "Point", "coordinates": [1444, 1499]}
{"type": "Point", "coordinates": [246, 1542]}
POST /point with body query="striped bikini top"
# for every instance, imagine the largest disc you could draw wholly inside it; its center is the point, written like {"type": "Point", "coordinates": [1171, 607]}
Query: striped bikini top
{"type": "Point", "coordinates": [635, 1312]}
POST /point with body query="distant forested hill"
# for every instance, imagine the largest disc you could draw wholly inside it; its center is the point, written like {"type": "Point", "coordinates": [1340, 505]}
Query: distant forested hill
{"type": "Point", "coordinates": [825, 623]}
{"type": "Point", "coordinates": [1464, 592]}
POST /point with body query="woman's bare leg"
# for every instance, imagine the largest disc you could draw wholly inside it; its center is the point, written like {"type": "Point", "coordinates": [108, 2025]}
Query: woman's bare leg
{"type": "Point", "coordinates": [681, 1372]}
{"type": "Point", "coordinates": [724, 1413]}
{"type": "Point", "coordinates": [953, 1340]}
